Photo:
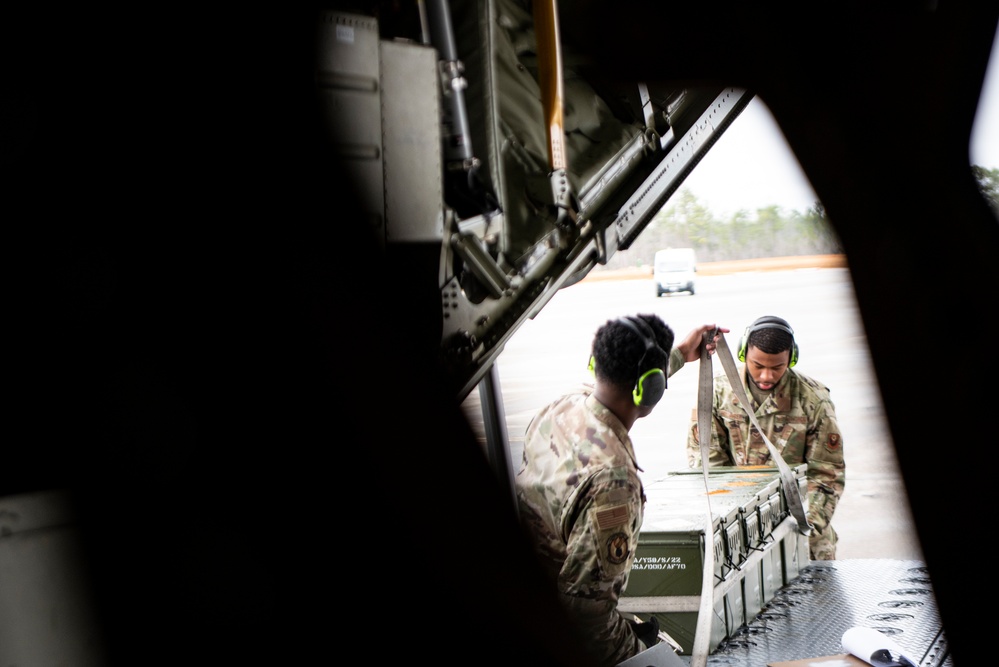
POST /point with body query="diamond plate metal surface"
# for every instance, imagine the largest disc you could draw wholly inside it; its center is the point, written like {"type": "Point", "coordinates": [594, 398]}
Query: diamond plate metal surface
{"type": "Point", "coordinates": [808, 616]}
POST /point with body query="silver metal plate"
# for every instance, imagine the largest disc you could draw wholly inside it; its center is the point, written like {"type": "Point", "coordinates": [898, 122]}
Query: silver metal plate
{"type": "Point", "coordinates": [808, 616]}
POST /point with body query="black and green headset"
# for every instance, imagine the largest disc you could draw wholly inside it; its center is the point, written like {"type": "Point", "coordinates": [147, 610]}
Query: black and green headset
{"type": "Point", "coordinates": [651, 384]}
{"type": "Point", "coordinates": [769, 322]}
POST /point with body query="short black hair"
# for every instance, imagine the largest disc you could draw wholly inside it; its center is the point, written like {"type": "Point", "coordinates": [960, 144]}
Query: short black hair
{"type": "Point", "coordinates": [770, 340]}
{"type": "Point", "coordinates": [617, 351]}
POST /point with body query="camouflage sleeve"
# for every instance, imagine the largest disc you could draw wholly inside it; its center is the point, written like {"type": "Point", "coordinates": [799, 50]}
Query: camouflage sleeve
{"type": "Point", "coordinates": [718, 448]}
{"type": "Point", "coordinates": [693, 444]}
{"type": "Point", "coordinates": [826, 470]}
{"type": "Point", "coordinates": [599, 554]}
{"type": "Point", "coordinates": [676, 361]}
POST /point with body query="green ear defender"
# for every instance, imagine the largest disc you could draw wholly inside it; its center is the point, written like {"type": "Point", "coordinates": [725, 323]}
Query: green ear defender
{"type": "Point", "coordinates": [651, 383]}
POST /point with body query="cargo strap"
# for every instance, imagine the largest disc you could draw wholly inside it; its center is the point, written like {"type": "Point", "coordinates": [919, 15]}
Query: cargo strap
{"type": "Point", "coordinates": [702, 635]}
{"type": "Point", "coordinates": [791, 491]}
{"type": "Point", "coordinates": [705, 391]}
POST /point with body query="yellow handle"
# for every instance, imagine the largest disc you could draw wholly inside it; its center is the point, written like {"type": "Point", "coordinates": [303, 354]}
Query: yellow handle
{"type": "Point", "coordinates": [550, 78]}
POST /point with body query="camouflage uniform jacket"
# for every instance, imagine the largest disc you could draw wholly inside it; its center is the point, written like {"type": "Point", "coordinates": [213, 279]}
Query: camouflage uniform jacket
{"type": "Point", "coordinates": [799, 419]}
{"type": "Point", "coordinates": [581, 500]}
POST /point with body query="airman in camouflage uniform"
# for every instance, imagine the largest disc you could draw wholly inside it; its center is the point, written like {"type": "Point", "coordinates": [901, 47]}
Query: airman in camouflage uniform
{"type": "Point", "coordinates": [578, 490]}
{"type": "Point", "coordinates": [798, 417]}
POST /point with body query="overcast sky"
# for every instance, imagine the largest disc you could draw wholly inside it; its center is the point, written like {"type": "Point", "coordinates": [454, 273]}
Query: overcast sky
{"type": "Point", "coordinates": [752, 167]}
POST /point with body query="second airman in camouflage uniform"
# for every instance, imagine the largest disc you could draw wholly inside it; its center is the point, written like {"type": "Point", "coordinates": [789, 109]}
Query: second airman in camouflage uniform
{"type": "Point", "coordinates": [795, 412]}
{"type": "Point", "coordinates": [578, 490]}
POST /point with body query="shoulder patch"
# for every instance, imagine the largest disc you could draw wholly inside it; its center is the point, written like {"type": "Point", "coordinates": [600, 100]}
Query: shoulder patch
{"type": "Point", "coordinates": [614, 496]}
{"type": "Point", "coordinates": [617, 548]}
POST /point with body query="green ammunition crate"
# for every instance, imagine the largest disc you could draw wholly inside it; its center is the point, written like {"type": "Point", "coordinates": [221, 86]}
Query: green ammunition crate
{"type": "Point", "coordinates": [794, 548]}
{"type": "Point", "coordinates": [771, 571]}
{"type": "Point", "coordinates": [752, 584]}
{"type": "Point", "coordinates": [754, 536]}
{"type": "Point", "coordinates": [669, 565]}
{"type": "Point", "coordinates": [735, 607]}
{"type": "Point", "coordinates": [735, 558]}
{"type": "Point", "coordinates": [669, 560]}
{"type": "Point", "coordinates": [752, 590]}
{"type": "Point", "coordinates": [794, 551]}
{"type": "Point", "coordinates": [771, 512]}
{"type": "Point", "coordinates": [667, 575]}
{"type": "Point", "coordinates": [749, 488]}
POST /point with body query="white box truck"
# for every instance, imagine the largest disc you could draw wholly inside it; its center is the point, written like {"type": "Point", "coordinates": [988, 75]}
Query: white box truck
{"type": "Point", "coordinates": [674, 270]}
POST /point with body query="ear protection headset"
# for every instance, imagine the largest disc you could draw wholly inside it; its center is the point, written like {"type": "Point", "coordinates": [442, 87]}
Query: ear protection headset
{"type": "Point", "coordinates": [768, 322]}
{"type": "Point", "coordinates": [651, 384]}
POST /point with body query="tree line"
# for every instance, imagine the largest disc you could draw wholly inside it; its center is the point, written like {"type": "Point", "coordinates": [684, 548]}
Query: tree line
{"type": "Point", "coordinates": [767, 232]}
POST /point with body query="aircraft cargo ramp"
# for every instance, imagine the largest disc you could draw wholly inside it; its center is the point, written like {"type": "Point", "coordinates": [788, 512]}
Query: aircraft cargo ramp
{"type": "Point", "coordinates": [807, 617]}
{"type": "Point", "coordinates": [770, 603]}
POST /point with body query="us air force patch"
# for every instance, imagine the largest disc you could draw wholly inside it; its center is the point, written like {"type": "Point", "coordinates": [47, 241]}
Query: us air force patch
{"type": "Point", "coordinates": [612, 517]}
{"type": "Point", "coordinates": [617, 548]}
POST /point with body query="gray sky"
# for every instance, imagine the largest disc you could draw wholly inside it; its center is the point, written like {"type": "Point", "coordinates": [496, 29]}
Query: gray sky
{"type": "Point", "coordinates": [752, 167]}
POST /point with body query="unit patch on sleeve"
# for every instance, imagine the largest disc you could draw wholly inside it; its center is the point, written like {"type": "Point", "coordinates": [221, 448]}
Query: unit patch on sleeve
{"type": "Point", "coordinates": [617, 548]}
